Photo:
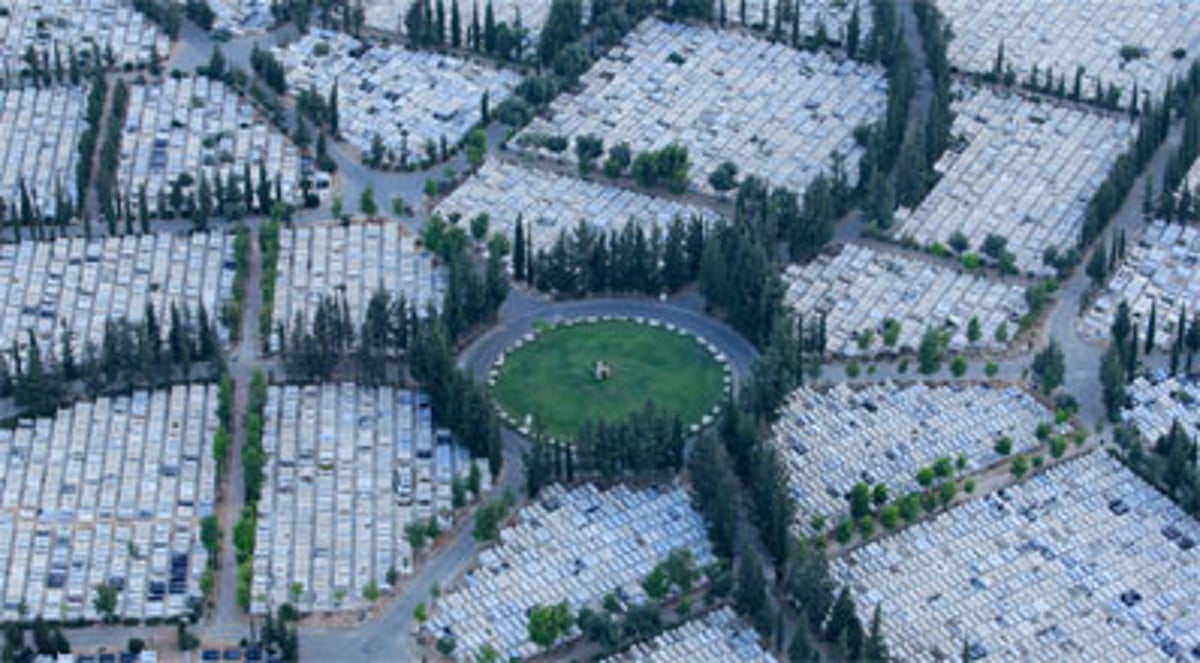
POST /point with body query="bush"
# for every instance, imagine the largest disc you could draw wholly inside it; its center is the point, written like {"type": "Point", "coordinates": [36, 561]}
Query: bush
{"type": "Point", "coordinates": [488, 519]}
{"type": "Point", "coordinates": [1001, 334]}
{"type": "Point", "coordinates": [925, 477]}
{"type": "Point", "coordinates": [889, 516]}
{"type": "Point", "coordinates": [860, 500]}
{"type": "Point", "coordinates": [958, 367]}
{"type": "Point", "coordinates": [1058, 446]}
{"type": "Point", "coordinates": [1003, 446]}
{"type": "Point", "coordinates": [514, 111]}
{"type": "Point", "coordinates": [1020, 466]}
{"type": "Point", "coordinates": [843, 532]}
{"type": "Point", "coordinates": [946, 492]}
{"type": "Point", "coordinates": [991, 369]}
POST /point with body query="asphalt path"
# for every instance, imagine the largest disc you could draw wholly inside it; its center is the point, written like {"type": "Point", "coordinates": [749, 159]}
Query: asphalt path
{"type": "Point", "coordinates": [388, 637]}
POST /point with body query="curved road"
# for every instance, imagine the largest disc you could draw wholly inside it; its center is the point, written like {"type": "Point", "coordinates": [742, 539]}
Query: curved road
{"type": "Point", "coordinates": [523, 309]}
{"type": "Point", "coordinates": [388, 636]}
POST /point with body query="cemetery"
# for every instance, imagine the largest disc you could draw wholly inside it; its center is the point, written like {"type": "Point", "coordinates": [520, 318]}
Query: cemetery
{"type": "Point", "coordinates": [1192, 179]}
{"type": "Point", "coordinates": [574, 545]}
{"type": "Point", "coordinates": [1023, 171]}
{"type": "Point", "coordinates": [1084, 561]}
{"type": "Point", "coordinates": [39, 132]}
{"type": "Point", "coordinates": [185, 130]}
{"type": "Point", "coordinates": [884, 434]}
{"type": "Point", "coordinates": [775, 112]}
{"type": "Point", "coordinates": [108, 493]}
{"type": "Point", "coordinates": [863, 293]}
{"type": "Point", "coordinates": [242, 17]}
{"type": "Point", "coordinates": [348, 468]}
{"type": "Point", "coordinates": [86, 27]}
{"type": "Point", "coordinates": [1160, 272]}
{"type": "Point", "coordinates": [605, 370]}
{"type": "Point", "coordinates": [1142, 42]}
{"type": "Point", "coordinates": [530, 14]}
{"type": "Point", "coordinates": [352, 263]}
{"type": "Point", "coordinates": [830, 17]}
{"type": "Point", "coordinates": [74, 286]}
{"type": "Point", "coordinates": [408, 99]}
{"type": "Point", "coordinates": [1154, 405]}
{"type": "Point", "coordinates": [718, 637]}
{"type": "Point", "coordinates": [548, 204]}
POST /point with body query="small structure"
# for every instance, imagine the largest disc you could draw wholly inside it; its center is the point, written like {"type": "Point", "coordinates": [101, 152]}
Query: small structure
{"type": "Point", "coordinates": [601, 370]}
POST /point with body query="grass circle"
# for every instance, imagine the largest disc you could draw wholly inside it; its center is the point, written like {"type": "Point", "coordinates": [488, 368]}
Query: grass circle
{"type": "Point", "coordinates": [553, 378]}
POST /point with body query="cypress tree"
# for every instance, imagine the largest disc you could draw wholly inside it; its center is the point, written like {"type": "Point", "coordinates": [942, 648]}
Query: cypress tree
{"type": "Point", "coordinates": [473, 33]}
{"type": "Point", "coordinates": [519, 250]}
{"type": "Point", "coordinates": [1131, 359]}
{"type": "Point", "coordinates": [440, 23]}
{"type": "Point", "coordinates": [489, 29]}
{"type": "Point", "coordinates": [1151, 325]}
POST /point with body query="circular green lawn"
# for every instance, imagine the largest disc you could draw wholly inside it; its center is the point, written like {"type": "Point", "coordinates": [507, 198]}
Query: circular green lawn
{"type": "Point", "coordinates": [554, 377]}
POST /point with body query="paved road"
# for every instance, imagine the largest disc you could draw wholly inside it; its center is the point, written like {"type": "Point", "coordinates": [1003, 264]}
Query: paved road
{"type": "Point", "coordinates": [389, 636]}
{"type": "Point", "coordinates": [352, 177]}
{"type": "Point", "coordinates": [227, 622]}
{"type": "Point", "coordinates": [524, 308]}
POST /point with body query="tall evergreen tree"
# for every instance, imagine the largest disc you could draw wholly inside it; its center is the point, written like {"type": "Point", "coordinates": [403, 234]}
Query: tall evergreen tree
{"type": "Point", "coordinates": [750, 596]}
{"type": "Point", "coordinates": [1151, 326]}
{"type": "Point", "coordinates": [489, 30]}
{"type": "Point", "coordinates": [440, 23]}
{"type": "Point", "coordinates": [473, 32]}
{"type": "Point", "coordinates": [332, 109]}
{"type": "Point", "coordinates": [875, 649]}
{"type": "Point", "coordinates": [519, 259]}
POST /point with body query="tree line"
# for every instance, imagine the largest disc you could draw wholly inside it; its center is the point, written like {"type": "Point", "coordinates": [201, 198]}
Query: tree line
{"type": "Point", "coordinates": [585, 260]}
{"type": "Point", "coordinates": [269, 69]}
{"type": "Point", "coordinates": [1154, 124]}
{"type": "Point", "coordinates": [1183, 206]}
{"type": "Point", "coordinates": [936, 35]}
{"type": "Point", "coordinates": [1170, 463]}
{"type": "Point", "coordinates": [130, 355]}
{"type": "Point", "coordinates": [48, 640]}
{"type": "Point", "coordinates": [646, 444]}
{"type": "Point", "coordinates": [883, 184]}
{"type": "Point", "coordinates": [396, 340]}
{"type": "Point", "coordinates": [254, 459]}
{"type": "Point", "coordinates": [733, 262]}
{"type": "Point", "coordinates": [1120, 362]}
{"type": "Point", "coordinates": [110, 153]}
{"type": "Point", "coordinates": [167, 14]}
{"type": "Point", "coordinates": [90, 136]}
